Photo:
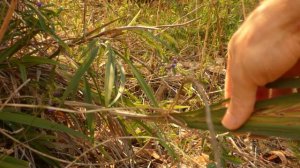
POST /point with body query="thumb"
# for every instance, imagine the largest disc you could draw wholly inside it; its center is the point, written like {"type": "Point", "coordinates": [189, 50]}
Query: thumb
{"type": "Point", "coordinates": [242, 100]}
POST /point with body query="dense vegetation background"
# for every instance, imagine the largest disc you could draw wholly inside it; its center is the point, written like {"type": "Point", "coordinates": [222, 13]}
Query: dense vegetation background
{"type": "Point", "coordinates": [90, 83]}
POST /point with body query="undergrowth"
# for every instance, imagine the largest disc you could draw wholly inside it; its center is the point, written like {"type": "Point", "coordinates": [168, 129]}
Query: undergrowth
{"type": "Point", "coordinates": [78, 79]}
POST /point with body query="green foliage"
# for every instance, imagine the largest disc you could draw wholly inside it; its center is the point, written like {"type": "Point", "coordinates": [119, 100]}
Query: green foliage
{"type": "Point", "coordinates": [95, 73]}
{"type": "Point", "coordinates": [37, 122]}
{"type": "Point", "coordinates": [11, 162]}
{"type": "Point", "coordinates": [267, 121]}
{"type": "Point", "coordinates": [92, 53]}
{"type": "Point", "coordinates": [110, 71]}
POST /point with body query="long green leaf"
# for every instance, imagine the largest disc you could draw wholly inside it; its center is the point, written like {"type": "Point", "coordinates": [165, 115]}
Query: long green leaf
{"type": "Point", "coordinates": [122, 83]}
{"type": "Point", "coordinates": [151, 41]}
{"type": "Point", "coordinates": [268, 120]}
{"type": "Point", "coordinates": [134, 18]}
{"type": "Point", "coordinates": [285, 83]}
{"type": "Point", "coordinates": [7, 53]}
{"type": "Point", "coordinates": [44, 26]}
{"type": "Point", "coordinates": [81, 70]}
{"type": "Point", "coordinates": [38, 60]}
{"type": "Point", "coordinates": [109, 75]}
{"type": "Point", "coordinates": [11, 162]}
{"type": "Point", "coordinates": [23, 72]}
{"type": "Point", "coordinates": [147, 89]}
{"type": "Point", "coordinates": [33, 121]}
{"type": "Point", "coordinates": [90, 118]}
{"type": "Point", "coordinates": [158, 134]}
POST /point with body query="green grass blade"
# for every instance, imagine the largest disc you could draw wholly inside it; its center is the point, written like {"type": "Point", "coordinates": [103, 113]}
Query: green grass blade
{"type": "Point", "coordinates": [163, 42]}
{"type": "Point", "coordinates": [170, 43]}
{"type": "Point", "coordinates": [43, 146]}
{"type": "Point", "coordinates": [285, 83]}
{"type": "Point", "coordinates": [134, 18]}
{"type": "Point", "coordinates": [11, 162]}
{"type": "Point", "coordinates": [23, 72]}
{"type": "Point", "coordinates": [151, 41]}
{"type": "Point", "coordinates": [158, 134]}
{"type": "Point", "coordinates": [158, 42]}
{"type": "Point", "coordinates": [7, 53]}
{"type": "Point", "coordinates": [287, 100]}
{"type": "Point", "coordinates": [30, 120]}
{"type": "Point", "coordinates": [38, 60]}
{"type": "Point", "coordinates": [147, 89]}
{"type": "Point", "coordinates": [81, 71]}
{"type": "Point", "coordinates": [43, 25]}
{"type": "Point", "coordinates": [122, 84]}
{"type": "Point", "coordinates": [109, 75]}
{"type": "Point", "coordinates": [266, 121]}
{"type": "Point", "coordinates": [90, 118]}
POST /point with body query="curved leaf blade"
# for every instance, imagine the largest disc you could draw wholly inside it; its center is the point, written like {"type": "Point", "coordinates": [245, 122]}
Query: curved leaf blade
{"type": "Point", "coordinates": [33, 121]}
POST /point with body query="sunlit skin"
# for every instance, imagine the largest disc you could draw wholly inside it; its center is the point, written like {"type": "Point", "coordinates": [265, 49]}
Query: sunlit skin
{"type": "Point", "coordinates": [266, 47]}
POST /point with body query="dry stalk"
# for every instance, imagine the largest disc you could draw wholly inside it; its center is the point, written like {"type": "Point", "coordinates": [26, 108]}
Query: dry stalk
{"type": "Point", "coordinates": [119, 30]}
{"type": "Point", "coordinates": [104, 142]}
{"type": "Point", "coordinates": [3, 132]}
{"type": "Point", "coordinates": [121, 111]}
{"type": "Point", "coordinates": [244, 10]}
{"type": "Point", "coordinates": [12, 94]}
{"type": "Point", "coordinates": [84, 18]}
{"type": "Point", "coordinates": [7, 18]}
{"type": "Point", "coordinates": [203, 95]}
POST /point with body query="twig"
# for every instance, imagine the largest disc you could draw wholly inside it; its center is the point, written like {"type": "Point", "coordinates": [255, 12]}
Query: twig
{"type": "Point", "coordinates": [114, 111]}
{"type": "Point", "coordinates": [178, 25]}
{"type": "Point", "coordinates": [244, 10]}
{"type": "Point", "coordinates": [194, 10]}
{"type": "Point", "coordinates": [7, 18]}
{"type": "Point", "coordinates": [140, 27]}
{"type": "Point", "coordinates": [104, 142]}
{"type": "Point", "coordinates": [204, 47]}
{"type": "Point", "coordinates": [12, 94]}
{"type": "Point", "coordinates": [200, 89]}
{"type": "Point", "coordinates": [2, 131]}
{"type": "Point", "coordinates": [84, 18]}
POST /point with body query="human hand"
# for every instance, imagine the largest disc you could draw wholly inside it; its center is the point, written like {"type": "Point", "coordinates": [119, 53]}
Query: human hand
{"type": "Point", "coordinates": [265, 48]}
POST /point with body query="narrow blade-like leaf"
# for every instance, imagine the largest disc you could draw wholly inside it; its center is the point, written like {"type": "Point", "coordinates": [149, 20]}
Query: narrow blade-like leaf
{"type": "Point", "coordinates": [81, 71]}
{"type": "Point", "coordinates": [109, 75]}
{"type": "Point", "coordinates": [147, 89]}
{"type": "Point", "coordinates": [33, 121]}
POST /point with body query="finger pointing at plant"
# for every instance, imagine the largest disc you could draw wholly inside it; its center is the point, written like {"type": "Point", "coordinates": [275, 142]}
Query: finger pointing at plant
{"type": "Point", "coordinates": [264, 48]}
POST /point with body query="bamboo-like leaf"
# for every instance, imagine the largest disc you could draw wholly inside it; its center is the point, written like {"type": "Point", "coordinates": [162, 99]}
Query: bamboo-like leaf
{"type": "Point", "coordinates": [148, 38]}
{"type": "Point", "coordinates": [11, 162]}
{"type": "Point", "coordinates": [232, 159]}
{"type": "Point", "coordinates": [169, 44]}
{"type": "Point", "coordinates": [109, 75]}
{"type": "Point", "coordinates": [30, 120]}
{"type": "Point", "coordinates": [7, 53]}
{"type": "Point", "coordinates": [38, 60]}
{"type": "Point", "coordinates": [81, 70]}
{"type": "Point", "coordinates": [122, 84]}
{"type": "Point", "coordinates": [285, 83]}
{"type": "Point", "coordinates": [273, 117]}
{"type": "Point", "coordinates": [23, 72]}
{"type": "Point", "coordinates": [147, 89]}
{"type": "Point", "coordinates": [90, 118]}
{"type": "Point", "coordinates": [43, 23]}
{"type": "Point", "coordinates": [160, 137]}
{"type": "Point", "coordinates": [157, 42]}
